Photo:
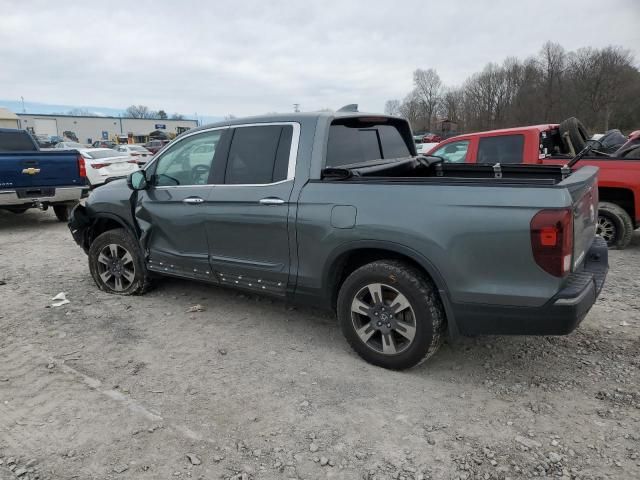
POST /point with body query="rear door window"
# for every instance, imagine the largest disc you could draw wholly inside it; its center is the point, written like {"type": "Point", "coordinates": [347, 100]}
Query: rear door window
{"type": "Point", "coordinates": [356, 141]}
{"type": "Point", "coordinates": [501, 149]}
{"type": "Point", "coordinates": [259, 155]}
{"type": "Point", "coordinates": [454, 152]}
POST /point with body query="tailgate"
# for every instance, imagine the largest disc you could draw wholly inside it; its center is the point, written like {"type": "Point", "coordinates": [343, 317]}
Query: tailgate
{"type": "Point", "coordinates": [40, 169]}
{"type": "Point", "coordinates": [582, 186]}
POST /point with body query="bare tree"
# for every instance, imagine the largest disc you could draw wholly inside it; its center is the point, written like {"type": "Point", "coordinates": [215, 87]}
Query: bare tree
{"type": "Point", "coordinates": [428, 87]}
{"type": "Point", "coordinates": [451, 106]}
{"type": "Point", "coordinates": [552, 60]}
{"type": "Point", "coordinates": [599, 86]}
{"type": "Point", "coordinates": [139, 111]}
{"type": "Point", "coordinates": [600, 75]}
{"type": "Point", "coordinates": [80, 112]}
{"type": "Point", "coordinates": [392, 107]}
{"type": "Point", "coordinates": [177, 116]}
{"type": "Point", "coordinates": [411, 109]}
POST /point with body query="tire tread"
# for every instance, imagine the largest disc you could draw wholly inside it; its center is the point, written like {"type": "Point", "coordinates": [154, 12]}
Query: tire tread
{"type": "Point", "coordinates": [625, 226]}
{"type": "Point", "coordinates": [121, 235]}
{"type": "Point", "coordinates": [423, 287]}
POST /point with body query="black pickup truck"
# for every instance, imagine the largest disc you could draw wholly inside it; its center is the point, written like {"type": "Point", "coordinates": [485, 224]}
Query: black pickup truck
{"type": "Point", "coordinates": [30, 177]}
{"type": "Point", "coordinates": [337, 210]}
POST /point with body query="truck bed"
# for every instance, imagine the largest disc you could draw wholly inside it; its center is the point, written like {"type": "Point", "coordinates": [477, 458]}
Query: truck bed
{"type": "Point", "coordinates": [432, 169]}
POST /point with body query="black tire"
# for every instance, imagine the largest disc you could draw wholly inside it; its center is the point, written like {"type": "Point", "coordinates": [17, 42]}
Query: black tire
{"type": "Point", "coordinates": [62, 212]}
{"type": "Point", "coordinates": [614, 225]}
{"type": "Point", "coordinates": [425, 315]}
{"type": "Point", "coordinates": [135, 281]}
{"type": "Point", "coordinates": [577, 132]}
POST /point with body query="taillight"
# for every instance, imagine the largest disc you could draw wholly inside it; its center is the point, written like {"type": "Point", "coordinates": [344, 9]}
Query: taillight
{"type": "Point", "coordinates": [82, 169]}
{"type": "Point", "coordinates": [552, 240]}
{"type": "Point", "coordinates": [98, 165]}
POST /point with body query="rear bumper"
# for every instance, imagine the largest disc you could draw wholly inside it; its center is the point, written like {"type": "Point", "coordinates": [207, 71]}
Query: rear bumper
{"type": "Point", "coordinates": [559, 316]}
{"type": "Point", "coordinates": [27, 197]}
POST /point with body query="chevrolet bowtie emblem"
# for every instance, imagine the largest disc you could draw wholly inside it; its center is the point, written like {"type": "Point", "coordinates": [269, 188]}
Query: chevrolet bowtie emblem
{"type": "Point", "coordinates": [31, 171]}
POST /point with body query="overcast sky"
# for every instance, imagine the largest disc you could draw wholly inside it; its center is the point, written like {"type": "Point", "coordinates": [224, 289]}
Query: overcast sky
{"type": "Point", "coordinates": [252, 57]}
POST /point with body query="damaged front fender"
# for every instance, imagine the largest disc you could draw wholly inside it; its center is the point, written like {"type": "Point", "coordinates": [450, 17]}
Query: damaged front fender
{"type": "Point", "coordinates": [79, 223]}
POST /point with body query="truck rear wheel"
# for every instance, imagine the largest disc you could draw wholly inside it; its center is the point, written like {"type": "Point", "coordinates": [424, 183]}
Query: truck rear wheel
{"type": "Point", "coordinates": [116, 264]}
{"type": "Point", "coordinates": [62, 212]}
{"type": "Point", "coordinates": [391, 315]}
{"type": "Point", "coordinates": [614, 225]}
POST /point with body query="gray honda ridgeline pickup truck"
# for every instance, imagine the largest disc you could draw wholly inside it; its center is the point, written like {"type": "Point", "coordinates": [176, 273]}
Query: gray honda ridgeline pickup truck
{"type": "Point", "coordinates": [337, 210]}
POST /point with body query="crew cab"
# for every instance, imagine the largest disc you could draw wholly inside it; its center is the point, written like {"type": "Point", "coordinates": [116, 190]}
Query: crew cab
{"type": "Point", "coordinates": [32, 178]}
{"type": "Point", "coordinates": [618, 178]}
{"type": "Point", "coordinates": [337, 210]}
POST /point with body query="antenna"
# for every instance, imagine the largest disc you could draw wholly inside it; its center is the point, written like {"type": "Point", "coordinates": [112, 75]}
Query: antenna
{"type": "Point", "coordinates": [296, 107]}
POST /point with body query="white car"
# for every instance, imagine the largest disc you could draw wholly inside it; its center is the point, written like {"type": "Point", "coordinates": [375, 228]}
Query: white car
{"type": "Point", "coordinates": [69, 145]}
{"type": "Point", "coordinates": [423, 148]}
{"type": "Point", "coordinates": [137, 152]}
{"type": "Point", "coordinates": [105, 164]}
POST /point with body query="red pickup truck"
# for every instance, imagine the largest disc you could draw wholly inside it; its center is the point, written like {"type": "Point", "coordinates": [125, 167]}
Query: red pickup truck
{"type": "Point", "coordinates": [618, 178]}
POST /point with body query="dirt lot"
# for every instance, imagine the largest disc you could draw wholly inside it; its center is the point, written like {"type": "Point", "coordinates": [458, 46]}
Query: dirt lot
{"type": "Point", "coordinates": [123, 388]}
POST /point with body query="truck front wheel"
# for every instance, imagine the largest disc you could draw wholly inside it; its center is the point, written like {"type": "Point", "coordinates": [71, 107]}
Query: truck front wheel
{"type": "Point", "coordinates": [391, 315]}
{"type": "Point", "coordinates": [614, 225]}
{"type": "Point", "coordinates": [116, 263]}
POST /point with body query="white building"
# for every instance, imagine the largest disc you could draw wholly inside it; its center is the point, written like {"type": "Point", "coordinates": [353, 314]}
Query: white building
{"type": "Point", "coordinates": [91, 128]}
{"type": "Point", "coordinates": [8, 119]}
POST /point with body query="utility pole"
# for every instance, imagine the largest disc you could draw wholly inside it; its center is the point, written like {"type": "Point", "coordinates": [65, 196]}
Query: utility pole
{"type": "Point", "coordinates": [296, 107]}
{"type": "Point", "coordinates": [22, 98]}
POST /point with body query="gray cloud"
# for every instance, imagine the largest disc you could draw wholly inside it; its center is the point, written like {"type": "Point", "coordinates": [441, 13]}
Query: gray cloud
{"type": "Point", "coordinates": [251, 57]}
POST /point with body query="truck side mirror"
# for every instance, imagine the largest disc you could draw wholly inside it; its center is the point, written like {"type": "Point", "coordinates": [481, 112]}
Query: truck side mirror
{"type": "Point", "coordinates": [137, 180]}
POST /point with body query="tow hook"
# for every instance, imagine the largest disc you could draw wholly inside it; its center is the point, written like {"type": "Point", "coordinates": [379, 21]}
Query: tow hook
{"type": "Point", "coordinates": [42, 206]}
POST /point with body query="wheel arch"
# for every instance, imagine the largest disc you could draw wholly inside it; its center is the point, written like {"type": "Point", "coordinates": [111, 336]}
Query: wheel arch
{"type": "Point", "coordinates": [623, 197]}
{"type": "Point", "coordinates": [349, 257]}
{"type": "Point", "coordinates": [103, 222]}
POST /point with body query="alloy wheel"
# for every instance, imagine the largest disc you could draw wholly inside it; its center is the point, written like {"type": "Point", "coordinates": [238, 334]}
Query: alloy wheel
{"type": "Point", "coordinates": [606, 229]}
{"type": "Point", "coordinates": [383, 318]}
{"type": "Point", "coordinates": [116, 267]}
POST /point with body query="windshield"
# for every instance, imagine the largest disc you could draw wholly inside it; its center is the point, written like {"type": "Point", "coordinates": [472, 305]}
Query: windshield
{"type": "Point", "coordinates": [137, 148]}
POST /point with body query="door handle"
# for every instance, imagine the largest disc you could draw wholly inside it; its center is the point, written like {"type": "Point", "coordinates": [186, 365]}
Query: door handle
{"type": "Point", "coordinates": [271, 201]}
{"type": "Point", "coordinates": [193, 200]}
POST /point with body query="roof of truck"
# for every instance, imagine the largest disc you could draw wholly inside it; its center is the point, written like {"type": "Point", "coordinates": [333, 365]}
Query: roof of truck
{"type": "Point", "coordinates": [291, 117]}
{"type": "Point", "coordinates": [541, 128]}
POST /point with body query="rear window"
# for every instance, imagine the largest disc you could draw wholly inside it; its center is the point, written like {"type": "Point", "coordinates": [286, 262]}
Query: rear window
{"type": "Point", "coordinates": [501, 149]}
{"type": "Point", "coordinates": [16, 142]}
{"type": "Point", "coordinates": [355, 141]}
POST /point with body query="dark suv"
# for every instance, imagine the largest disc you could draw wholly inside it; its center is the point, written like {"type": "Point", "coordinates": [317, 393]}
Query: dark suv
{"type": "Point", "coordinates": [155, 145]}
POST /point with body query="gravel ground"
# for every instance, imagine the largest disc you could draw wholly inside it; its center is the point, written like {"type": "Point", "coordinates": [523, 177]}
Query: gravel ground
{"type": "Point", "coordinates": [109, 387]}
